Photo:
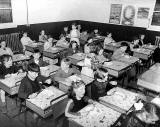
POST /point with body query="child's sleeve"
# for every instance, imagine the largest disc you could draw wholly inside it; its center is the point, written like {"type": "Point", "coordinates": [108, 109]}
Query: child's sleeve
{"type": "Point", "coordinates": [68, 112]}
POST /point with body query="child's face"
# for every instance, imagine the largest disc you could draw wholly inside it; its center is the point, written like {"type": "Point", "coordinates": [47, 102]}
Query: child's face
{"type": "Point", "coordinates": [80, 91]}
{"type": "Point", "coordinates": [50, 39]}
{"type": "Point", "coordinates": [8, 63]}
{"type": "Point", "coordinates": [104, 75]}
{"type": "Point", "coordinates": [65, 28]}
{"type": "Point", "coordinates": [96, 31]}
{"type": "Point", "coordinates": [73, 27]}
{"type": "Point", "coordinates": [32, 75]}
{"type": "Point", "coordinates": [36, 55]}
{"type": "Point", "coordinates": [90, 40]}
{"type": "Point", "coordinates": [151, 118]}
{"type": "Point", "coordinates": [43, 32]}
{"type": "Point", "coordinates": [109, 35]}
{"type": "Point", "coordinates": [25, 34]}
{"type": "Point", "coordinates": [74, 45]}
{"type": "Point", "coordinates": [142, 37]}
{"type": "Point", "coordinates": [3, 44]}
{"type": "Point", "coordinates": [136, 42]}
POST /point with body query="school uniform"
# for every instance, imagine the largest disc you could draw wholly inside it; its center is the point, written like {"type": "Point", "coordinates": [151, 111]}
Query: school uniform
{"type": "Point", "coordinates": [75, 35]}
{"type": "Point", "coordinates": [6, 50]}
{"type": "Point", "coordinates": [4, 71]}
{"type": "Point", "coordinates": [25, 41]}
{"type": "Point", "coordinates": [43, 38]}
{"type": "Point", "coordinates": [27, 87]}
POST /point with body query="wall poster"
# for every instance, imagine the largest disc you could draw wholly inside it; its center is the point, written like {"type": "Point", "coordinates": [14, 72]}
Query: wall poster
{"type": "Point", "coordinates": [156, 19]}
{"type": "Point", "coordinates": [143, 13]}
{"type": "Point", "coordinates": [115, 13]}
{"type": "Point", "coordinates": [128, 15]}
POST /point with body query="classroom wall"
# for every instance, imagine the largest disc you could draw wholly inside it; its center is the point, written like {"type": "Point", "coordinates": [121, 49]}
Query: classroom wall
{"type": "Point", "coordinates": [99, 10]}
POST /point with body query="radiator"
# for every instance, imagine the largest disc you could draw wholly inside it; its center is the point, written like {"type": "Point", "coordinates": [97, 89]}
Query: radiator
{"type": "Point", "coordinates": [13, 41]}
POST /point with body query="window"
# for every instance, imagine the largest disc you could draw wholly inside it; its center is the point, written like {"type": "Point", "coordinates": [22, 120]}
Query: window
{"type": "Point", "coordinates": [156, 14]}
{"type": "Point", "coordinates": [5, 11]}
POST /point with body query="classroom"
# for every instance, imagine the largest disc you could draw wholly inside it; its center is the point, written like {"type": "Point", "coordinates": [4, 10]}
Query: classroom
{"type": "Point", "coordinates": [79, 63]}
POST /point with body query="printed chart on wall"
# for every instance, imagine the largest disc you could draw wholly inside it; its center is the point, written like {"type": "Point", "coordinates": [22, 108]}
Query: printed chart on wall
{"type": "Point", "coordinates": [115, 13]}
{"type": "Point", "coordinates": [143, 13]}
{"type": "Point", "coordinates": [128, 15]}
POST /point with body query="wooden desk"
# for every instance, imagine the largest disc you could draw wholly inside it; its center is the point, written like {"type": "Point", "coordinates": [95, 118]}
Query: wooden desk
{"type": "Point", "coordinates": [75, 58]}
{"type": "Point", "coordinates": [11, 84]}
{"type": "Point", "coordinates": [116, 68]}
{"type": "Point", "coordinates": [150, 47]}
{"type": "Point", "coordinates": [142, 53]}
{"type": "Point", "coordinates": [65, 85]}
{"type": "Point", "coordinates": [128, 59]}
{"type": "Point", "coordinates": [98, 116]}
{"type": "Point", "coordinates": [30, 48]}
{"type": "Point", "coordinates": [120, 99]}
{"type": "Point", "coordinates": [112, 46]}
{"type": "Point", "coordinates": [42, 105]}
{"type": "Point", "coordinates": [150, 80]}
{"type": "Point", "coordinates": [49, 70]}
{"type": "Point", "coordinates": [155, 67]}
{"type": "Point", "coordinates": [20, 57]}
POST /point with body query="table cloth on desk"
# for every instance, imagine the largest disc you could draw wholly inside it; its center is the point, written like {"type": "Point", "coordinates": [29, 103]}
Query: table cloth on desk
{"type": "Point", "coordinates": [78, 56]}
{"type": "Point", "coordinates": [99, 116]}
{"type": "Point", "coordinates": [44, 98]}
{"type": "Point", "coordinates": [11, 81]}
{"type": "Point", "coordinates": [151, 47]}
{"type": "Point", "coordinates": [143, 51]}
{"type": "Point", "coordinates": [150, 80]}
{"type": "Point", "coordinates": [128, 59]}
{"type": "Point", "coordinates": [19, 57]}
{"type": "Point", "coordinates": [121, 98]}
{"type": "Point", "coordinates": [115, 65]}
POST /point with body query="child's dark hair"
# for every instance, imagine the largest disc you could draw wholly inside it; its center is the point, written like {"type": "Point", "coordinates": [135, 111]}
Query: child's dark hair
{"type": "Point", "coordinates": [75, 85]}
{"type": "Point", "coordinates": [98, 75]}
{"type": "Point", "coordinates": [6, 58]}
{"type": "Point", "coordinates": [72, 42]}
{"type": "Point", "coordinates": [33, 67]}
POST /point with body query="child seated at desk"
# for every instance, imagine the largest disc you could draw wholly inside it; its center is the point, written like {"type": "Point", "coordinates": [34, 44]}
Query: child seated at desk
{"type": "Point", "coordinates": [87, 47]}
{"type": "Point", "coordinates": [77, 101]}
{"type": "Point", "coordinates": [30, 85]}
{"type": "Point", "coordinates": [62, 42]}
{"type": "Point", "coordinates": [65, 71]}
{"type": "Point", "coordinates": [6, 69]}
{"type": "Point", "coordinates": [74, 48]}
{"type": "Point", "coordinates": [94, 33]}
{"type": "Point", "coordinates": [74, 34]}
{"type": "Point", "coordinates": [4, 49]}
{"type": "Point", "coordinates": [37, 58]}
{"type": "Point", "coordinates": [49, 43]}
{"type": "Point", "coordinates": [146, 117]}
{"type": "Point", "coordinates": [25, 40]}
{"type": "Point", "coordinates": [135, 43]}
{"type": "Point", "coordinates": [43, 37]}
{"type": "Point", "coordinates": [108, 39]}
{"type": "Point", "coordinates": [124, 49]}
{"type": "Point", "coordinates": [87, 68]}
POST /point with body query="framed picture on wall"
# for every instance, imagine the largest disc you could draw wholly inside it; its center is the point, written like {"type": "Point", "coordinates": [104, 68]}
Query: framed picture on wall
{"type": "Point", "coordinates": [128, 15]}
{"type": "Point", "coordinates": [143, 13]}
{"type": "Point", "coordinates": [115, 13]}
{"type": "Point", "coordinates": [156, 19]}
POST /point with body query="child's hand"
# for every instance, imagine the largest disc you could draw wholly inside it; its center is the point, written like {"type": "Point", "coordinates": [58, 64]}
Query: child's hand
{"type": "Point", "coordinates": [8, 75]}
{"type": "Point", "coordinates": [48, 81]}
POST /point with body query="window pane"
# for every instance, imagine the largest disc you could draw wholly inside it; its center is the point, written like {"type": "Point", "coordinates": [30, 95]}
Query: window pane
{"type": "Point", "coordinates": [5, 3]}
{"type": "Point", "coordinates": [5, 16]}
{"type": "Point", "coordinates": [157, 6]}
